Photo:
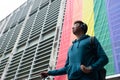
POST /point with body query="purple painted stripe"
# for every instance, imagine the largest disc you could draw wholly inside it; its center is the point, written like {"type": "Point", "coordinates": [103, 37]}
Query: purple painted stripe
{"type": "Point", "coordinates": [113, 10]}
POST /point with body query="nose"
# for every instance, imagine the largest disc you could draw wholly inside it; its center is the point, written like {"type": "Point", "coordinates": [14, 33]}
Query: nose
{"type": "Point", "coordinates": [73, 27]}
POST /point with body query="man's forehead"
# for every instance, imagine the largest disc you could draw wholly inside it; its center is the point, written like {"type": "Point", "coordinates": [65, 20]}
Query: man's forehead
{"type": "Point", "coordinates": [76, 24]}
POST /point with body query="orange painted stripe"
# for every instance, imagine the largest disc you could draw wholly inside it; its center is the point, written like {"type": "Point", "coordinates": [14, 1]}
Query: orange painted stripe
{"type": "Point", "coordinates": [77, 14]}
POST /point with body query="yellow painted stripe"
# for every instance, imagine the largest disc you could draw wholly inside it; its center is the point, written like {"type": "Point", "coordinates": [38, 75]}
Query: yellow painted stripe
{"type": "Point", "coordinates": [88, 15]}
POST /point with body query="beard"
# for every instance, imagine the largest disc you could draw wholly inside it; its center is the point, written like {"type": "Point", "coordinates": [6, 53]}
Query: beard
{"type": "Point", "coordinates": [75, 32]}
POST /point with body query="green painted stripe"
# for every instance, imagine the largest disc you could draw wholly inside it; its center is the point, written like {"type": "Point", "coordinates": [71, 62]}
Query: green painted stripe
{"type": "Point", "coordinates": [101, 29]}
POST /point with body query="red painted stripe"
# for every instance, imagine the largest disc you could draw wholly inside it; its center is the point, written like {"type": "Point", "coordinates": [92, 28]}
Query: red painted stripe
{"type": "Point", "coordinates": [73, 12]}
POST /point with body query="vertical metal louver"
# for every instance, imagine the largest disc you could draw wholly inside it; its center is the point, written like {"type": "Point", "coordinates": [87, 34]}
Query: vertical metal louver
{"type": "Point", "coordinates": [26, 31]}
{"type": "Point", "coordinates": [14, 37]}
{"type": "Point", "coordinates": [25, 10]}
{"type": "Point", "coordinates": [44, 3]}
{"type": "Point", "coordinates": [42, 58]}
{"type": "Point", "coordinates": [0, 23]}
{"type": "Point", "coordinates": [52, 16]}
{"type": "Point", "coordinates": [38, 24]}
{"type": "Point", "coordinates": [1, 42]}
{"type": "Point", "coordinates": [5, 43]}
{"type": "Point", "coordinates": [18, 14]}
{"type": "Point", "coordinates": [2, 65]}
{"type": "Point", "coordinates": [13, 66]}
{"type": "Point", "coordinates": [35, 5]}
{"type": "Point", "coordinates": [5, 24]}
{"type": "Point", "coordinates": [14, 21]}
{"type": "Point", "coordinates": [1, 27]}
{"type": "Point", "coordinates": [9, 22]}
{"type": "Point", "coordinates": [26, 62]}
{"type": "Point", "coordinates": [2, 38]}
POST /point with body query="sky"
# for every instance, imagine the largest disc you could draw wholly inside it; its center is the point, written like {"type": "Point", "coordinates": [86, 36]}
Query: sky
{"type": "Point", "coordinates": [8, 6]}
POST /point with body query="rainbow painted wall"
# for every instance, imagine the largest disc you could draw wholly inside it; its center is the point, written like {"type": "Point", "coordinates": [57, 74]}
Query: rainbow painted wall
{"type": "Point", "coordinates": [103, 20]}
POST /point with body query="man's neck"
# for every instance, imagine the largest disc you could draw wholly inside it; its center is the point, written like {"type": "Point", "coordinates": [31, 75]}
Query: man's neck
{"type": "Point", "coordinates": [79, 36]}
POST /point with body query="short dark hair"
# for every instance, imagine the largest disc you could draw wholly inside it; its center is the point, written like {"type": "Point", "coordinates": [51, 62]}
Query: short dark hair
{"type": "Point", "coordinates": [83, 26]}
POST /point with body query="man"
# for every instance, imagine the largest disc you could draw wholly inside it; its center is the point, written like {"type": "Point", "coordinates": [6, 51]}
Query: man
{"type": "Point", "coordinates": [81, 63]}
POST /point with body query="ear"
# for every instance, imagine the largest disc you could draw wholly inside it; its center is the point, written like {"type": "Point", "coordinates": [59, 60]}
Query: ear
{"type": "Point", "coordinates": [82, 25]}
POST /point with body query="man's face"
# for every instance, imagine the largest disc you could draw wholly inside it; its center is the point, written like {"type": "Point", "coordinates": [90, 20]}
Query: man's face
{"type": "Point", "coordinates": [76, 28]}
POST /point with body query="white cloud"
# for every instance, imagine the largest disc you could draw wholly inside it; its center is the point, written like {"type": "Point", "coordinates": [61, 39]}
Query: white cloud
{"type": "Point", "coordinates": [8, 6]}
